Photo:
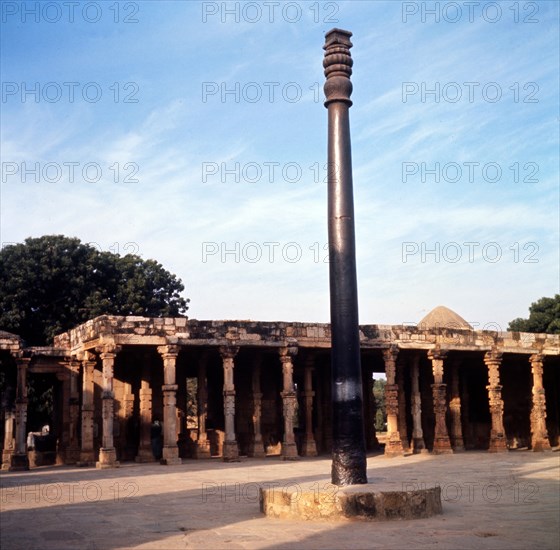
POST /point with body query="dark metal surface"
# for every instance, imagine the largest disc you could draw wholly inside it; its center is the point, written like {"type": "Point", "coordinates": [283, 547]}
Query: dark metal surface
{"type": "Point", "coordinates": [349, 452]}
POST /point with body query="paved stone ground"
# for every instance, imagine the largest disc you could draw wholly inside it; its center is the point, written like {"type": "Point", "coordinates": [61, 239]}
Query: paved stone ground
{"type": "Point", "coordinates": [505, 501]}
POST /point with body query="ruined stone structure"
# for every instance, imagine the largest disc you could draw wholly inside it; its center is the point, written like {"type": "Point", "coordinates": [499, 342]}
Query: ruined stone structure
{"type": "Point", "coordinates": [244, 388]}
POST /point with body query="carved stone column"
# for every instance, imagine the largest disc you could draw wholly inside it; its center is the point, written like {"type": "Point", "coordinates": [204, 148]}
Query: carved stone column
{"type": "Point", "coordinates": [289, 402]}
{"type": "Point", "coordinates": [9, 441]}
{"type": "Point", "coordinates": [309, 445]}
{"type": "Point", "coordinates": [169, 355]}
{"type": "Point", "coordinates": [19, 459]}
{"type": "Point", "coordinates": [108, 453]}
{"type": "Point", "coordinates": [145, 453]}
{"type": "Point", "coordinates": [87, 452]}
{"type": "Point", "coordinates": [418, 445]}
{"type": "Point", "coordinates": [498, 441]}
{"type": "Point", "coordinates": [393, 445]}
{"type": "Point", "coordinates": [230, 449]}
{"type": "Point", "coordinates": [539, 433]}
{"type": "Point", "coordinates": [257, 446]}
{"type": "Point", "coordinates": [202, 449]}
{"type": "Point", "coordinates": [370, 408]}
{"type": "Point", "coordinates": [455, 409]}
{"type": "Point", "coordinates": [442, 443]}
{"type": "Point", "coordinates": [73, 449]}
{"type": "Point", "coordinates": [403, 429]}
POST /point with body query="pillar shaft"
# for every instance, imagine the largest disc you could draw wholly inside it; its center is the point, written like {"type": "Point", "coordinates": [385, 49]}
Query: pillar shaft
{"type": "Point", "coordinates": [498, 442]}
{"type": "Point", "coordinates": [403, 429]}
{"type": "Point", "coordinates": [87, 453]}
{"type": "Point", "coordinates": [9, 441]}
{"type": "Point", "coordinates": [108, 453]}
{"type": "Point", "coordinates": [257, 446]}
{"type": "Point", "coordinates": [393, 444]}
{"type": "Point", "coordinates": [418, 444]}
{"type": "Point", "coordinates": [442, 443]}
{"type": "Point", "coordinates": [349, 450]}
{"type": "Point", "coordinates": [169, 355]}
{"type": "Point", "coordinates": [19, 459]}
{"type": "Point", "coordinates": [289, 402]}
{"type": "Point", "coordinates": [230, 448]}
{"type": "Point", "coordinates": [73, 449]}
{"type": "Point", "coordinates": [539, 433]}
{"type": "Point", "coordinates": [309, 445]}
{"type": "Point", "coordinates": [455, 409]}
{"type": "Point", "coordinates": [202, 442]}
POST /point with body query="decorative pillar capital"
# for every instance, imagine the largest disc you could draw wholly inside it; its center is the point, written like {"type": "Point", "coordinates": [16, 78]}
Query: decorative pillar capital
{"type": "Point", "coordinates": [536, 360]}
{"type": "Point", "coordinates": [493, 357]}
{"type": "Point", "coordinates": [338, 66]}
{"type": "Point", "coordinates": [437, 354]}
{"type": "Point", "coordinates": [108, 351]}
{"type": "Point", "coordinates": [228, 352]}
{"type": "Point", "coordinates": [390, 354]}
{"type": "Point", "coordinates": [287, 353]}
{"type": "Point", "coordinates": [169, 351]}
{"type": "Point", "coordinates": [390, 358]}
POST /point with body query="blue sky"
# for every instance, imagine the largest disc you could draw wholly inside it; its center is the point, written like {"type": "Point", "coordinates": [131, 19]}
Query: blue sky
{"type": "Point", "coordinates": [197, 136]}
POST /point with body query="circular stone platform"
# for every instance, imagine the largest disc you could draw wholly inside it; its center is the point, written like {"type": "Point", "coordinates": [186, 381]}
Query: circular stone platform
{"type": "Point", "coordinates": [363, 502]}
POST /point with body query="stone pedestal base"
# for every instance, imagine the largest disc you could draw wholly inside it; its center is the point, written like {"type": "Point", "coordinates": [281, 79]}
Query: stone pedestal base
{"type": "Point", "coordinates": [202, 449]}
{"type": "Point", "coordinates": [309, 448]}
{"type": "Point", "coordinates": [256, 450]}
{"type": "Point", "coordinates": [498, 445]}
{"type": "Point", "coordinates": [289, 451]}
{"type": "Point", "coordinates": [393, 446]}
{"type": "Point", "coordinates": [72, 456]}
{"type": "Point", "coordinates": [107, 459]}
{"type": "Point", "coordinates": [144, 455]}
{"type": "Point", "coordinates": [540, 445]}
{"type": "Point", "coordinates": [18, 462]}
{"type": "Point", "coordinates": [442, 446]}
{"type": "Point", "coordinates": [418, 446]}
{"type": "Point", "coordinates": [230, 452]}
{"type": "Point", "coordinates": [352, 502]}
{"type": "Point", "coordinates": [7, 459]}
{"type": "Point", "coordinates": [170, 455]}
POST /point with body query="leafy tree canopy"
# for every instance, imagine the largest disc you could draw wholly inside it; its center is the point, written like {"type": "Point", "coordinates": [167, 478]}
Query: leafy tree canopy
{"type": "Point", "coordinates": [544, 316]}
{"type": "Point", "coordinates": [53, 283]}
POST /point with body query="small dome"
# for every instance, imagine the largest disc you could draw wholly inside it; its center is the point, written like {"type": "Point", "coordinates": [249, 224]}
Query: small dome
{"type": "Point", "coordinates": [443, 317]}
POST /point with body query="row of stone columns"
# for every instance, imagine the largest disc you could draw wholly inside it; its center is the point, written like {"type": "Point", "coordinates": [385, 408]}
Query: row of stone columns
{"type": "Point", "coordinates": [444, 442]}
{"type": "Point", "coordinates": [289, 404]}
{"type": "Point", "coordinates": [15, 456]}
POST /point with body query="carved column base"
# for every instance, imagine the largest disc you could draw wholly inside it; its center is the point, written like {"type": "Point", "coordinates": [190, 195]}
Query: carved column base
{"type": "Point", "coordinates": [393, 446]}
{"type": "Point", "coordinates": [418, 446]}
{"type": "Point", "coordinates": [145, 454]}
{"type": "Point", "coordinates": [170, 456]}
{"type": "Point", "coordinates": [107, 458]}
{"type": "Point", "coordinates": [539, 444]}
{"type": "Point", "coordinates": [289, 451]}
{"type": "Point", "coordinates": [7, 458]}
{"type": "Point", "coordinates": [457, 445]}
{"type": "Point", "coordinates": [498, 444]}
{"type": "Point", "coordinates": [309, 447]}
{"type": "Point", "coordinates": [442, 446]}
{"type": "Point", "coordinates": [230, 451]}
{"type": "Point", "coordinates": [72, 456]}
{"type": "Point", "coordinates": [256, 449]}
{"type": "Point", "coordinates": [87, 459]}
{"type": "Point", "coordinates": [202, 449]}
{"type": "Point", "coordinates": [18, 462]}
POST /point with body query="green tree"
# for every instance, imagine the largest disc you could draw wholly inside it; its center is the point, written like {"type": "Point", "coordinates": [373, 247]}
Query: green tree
{"type": "Point", "coordinates": [380, 412]}
{"type": "Point", "coordinates": [544, 316]}
{"type": "Point", "coordinates": [53, 283]}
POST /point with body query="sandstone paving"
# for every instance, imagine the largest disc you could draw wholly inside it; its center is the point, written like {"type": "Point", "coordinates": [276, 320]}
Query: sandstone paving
{"type": "Point", "coordinates": [496, 501]}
